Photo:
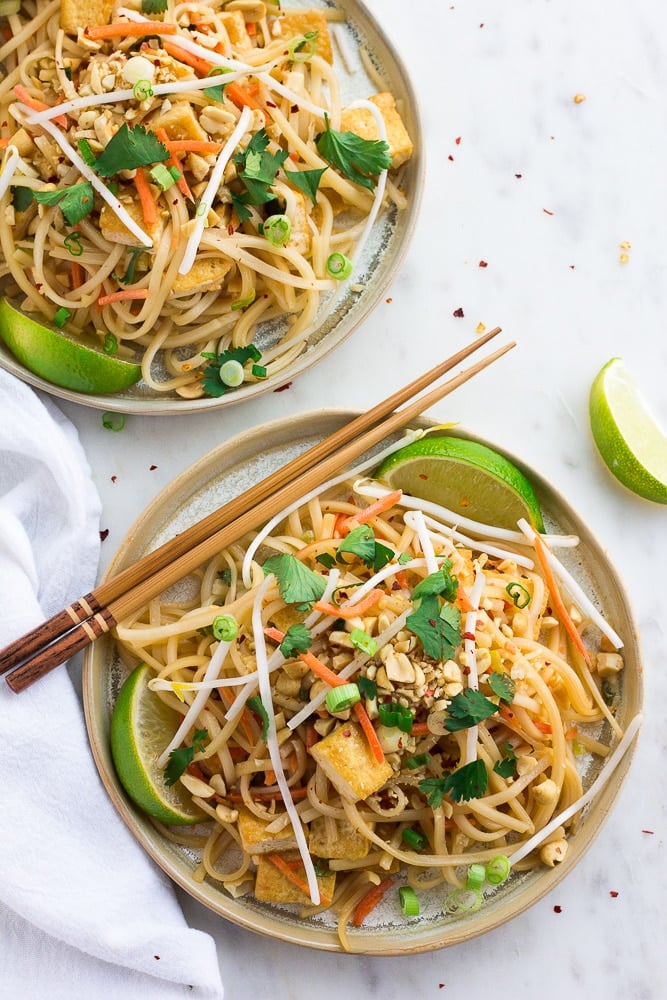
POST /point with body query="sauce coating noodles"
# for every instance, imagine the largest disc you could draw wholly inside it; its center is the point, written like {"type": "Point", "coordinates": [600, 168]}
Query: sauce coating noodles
{"type": "Point", "coordinates": [216, 221]}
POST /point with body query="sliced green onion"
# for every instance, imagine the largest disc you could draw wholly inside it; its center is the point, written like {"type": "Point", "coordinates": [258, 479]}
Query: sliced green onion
{"type": "Point", "coordinates": [202, 210]}
{"type": "Point", "coordinates": [61, 317]}
{"type": "Point", "coordinates": [413, 838]}
{"type": "Point", "coordinates": [87, 154]}
{"type": "Point", "coordinates": [476, 877]}
{"type": "Point", "coordinates": [232, 373]}
{"type": "Point", "coordinates": [339, 266]}
{"type": "Point", "coordinates": [259, 371]}
{"type": "Point", "coordinates": [419, 760]}
{"type": "Point", "coordinates": [520, 596]}
{"type": "Point", "coordinates": [408, 900]}
{"type": "Point", "coordinates": [393, 714]}
{"type": "Point", "coordinates": [244, 303]}
{"type": "Point", "coordinates": [72, 242]}
{"type": "Point", "coordinates": [216, 92]}
{"type": "Point", "coordinates": [498, 870]}
{"type": "Point", "coordinates": [463, 901]}
{"type": "Point", "coordinates": [340, 698]}
{"type": "Point", "coordinates": [110, 345]}
{"type": "Point", "coordinates": [113, 421]}
{"type": "Point", "coordinates": [163, 177]}
{"type": "Point", "coordinates": [277, 230]}
{"type": "Point", "coordinates": [175, 173]}
{"type": "Point", "coordinates": [303, 49]}
{"type": "Point", "coordinates": [225, 628]}
{"type": "Point", "coordinates": [363, 641]}
{"type": "Point", "coordinates": [142, 90]}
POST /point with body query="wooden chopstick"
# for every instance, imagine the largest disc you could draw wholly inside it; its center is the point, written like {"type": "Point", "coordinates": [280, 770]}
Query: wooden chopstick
{"type": "Point", "coordinates": [91, 604]}
{"type": "Point", "coordinates": [142, 588]}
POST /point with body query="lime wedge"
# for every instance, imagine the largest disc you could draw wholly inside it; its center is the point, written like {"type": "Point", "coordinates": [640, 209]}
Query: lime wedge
{"type": "Point", "coordinates": [632, 445]}
{"type": "Point", "coordinates": [141, 727]}
{"type": "Point", "coordinates": [74, 362]}
{"type": "Point", "coordinates": [466, 477]}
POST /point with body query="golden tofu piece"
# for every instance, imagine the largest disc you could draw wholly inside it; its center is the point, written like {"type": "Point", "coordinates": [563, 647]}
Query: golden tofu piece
{"type": "Point", "coordinates": [294, 23]}
{"type": "Point", "coordinates": [362, 122]}
{"type": "Point", "coordinates": [179, 122]}
{"type": "Point", "coordinates": [234, 24]}
{"type": "Point", "coordinates": [255, 839]}
{"type": "Point", "coordinates": [348, 762]}
{"type": "Point", "coordinates": [75, 14]}
{"type": "Point", "coordinates": [338, 841]}
{"type": "Point", "coordinates": [115, 231]}
{"type": "Point", "coordinates": [207, 274]}
{"type": "Point", "coordinates": [23, 142]}
{"type": "Point", "coordinates": [273, 886]}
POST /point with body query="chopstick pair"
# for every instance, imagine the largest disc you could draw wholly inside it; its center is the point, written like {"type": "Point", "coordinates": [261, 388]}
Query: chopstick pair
{"type": "Point", "coordinates": [54, 641]}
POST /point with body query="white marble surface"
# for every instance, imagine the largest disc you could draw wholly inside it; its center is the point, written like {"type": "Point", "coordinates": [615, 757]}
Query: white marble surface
{"type": "Point", "coordinates": [544, 190]}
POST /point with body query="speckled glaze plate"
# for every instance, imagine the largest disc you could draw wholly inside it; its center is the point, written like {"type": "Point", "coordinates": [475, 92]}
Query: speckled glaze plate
{"type": "Point", "coordinates": [379, 261]}
{"type": "Point", "coordinates": [216, 479]}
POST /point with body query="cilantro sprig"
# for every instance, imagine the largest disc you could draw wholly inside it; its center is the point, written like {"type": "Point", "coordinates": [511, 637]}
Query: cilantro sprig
{"type": "Point", "coordinates": [467, 709]}
{"type": "Point", "coordinates": [362, 544]}
{"type": "Point", "coordinates": [467, 782]}
{"type": "Point", "coordinates": [129, 148]}
{"type": "Point", "coordinates": [438, 627]}
{"type": "Point", "coordinates": [358, 159]}
{"type": "Point", "coordinates": [75, 201]}
{"type": "Point", "coordinates": [257, 168]}
{"type": "Point", "coordinates": [180, 760]}
{"type": "Point", "coordinates": [298, 584]}
{"type": "Point", "coordinates": [212, 382]}
{"type": "Point", "coordinates": [297, 639]}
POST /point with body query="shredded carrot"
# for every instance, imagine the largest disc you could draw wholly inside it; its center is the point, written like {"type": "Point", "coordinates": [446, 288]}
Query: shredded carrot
{"type": "Point", "coordinates": [338, 525]}
{"type": "Point", "coordinates": [286, 869]}
{"type": "Point", "coordinates": [368, 513]}
{"type": "Point", "coordinates": [557, 600]}
{"type": "Point", "coordinates": [571, 734]}
{"type": "Point", "coordinates": [123, 295]}
{"type": "Point", "coordinates": [200, 65]}
{"type": "Point", "coordinates": [246, 726]}
{"type": "Point", "coordinates": [462, 602]}
{"type": "Point", "coordinates": [148, 205]}
{"type": "Point", "coordinates": [173, 161]}
{"type": "Point", "coordinates": [312, 736]}
{"type": "Point", "coordinates": [243, 96]}
{"type": "Point", "coordinates": [36, 105]}
{"type": "Point", "coordinates": [118, 29]}
{"type": "Point", "coordinates": [368, 902]}
{"type": "Point", "coordinates": [270, 777]}
{"type": "Point", "coordinates": [76, 275]}
{"type": "Point", "coordinates": [543, 727]}
{"type": "Point", "coordinates": [402, 579]}
{"type": "Point", "coordinates": [192, 146]}
{"type": "Point", "coordinates": [333, 680]}
{"type": "Point", "coordinates": [420, 729]}
{"type": "Point", "coordinates": [5, 142]}
{"type": "Point", "coordinates": [354, 610]}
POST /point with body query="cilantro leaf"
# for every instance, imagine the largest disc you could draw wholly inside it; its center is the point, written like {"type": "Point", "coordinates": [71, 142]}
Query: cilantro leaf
{"type": "Point", "coordinates": [297, 640]}
{"type": "Point", "coordinates": [439, 630]}
{"type": "Point", "coordinates": [359, 542]}
{"type": "Point", "coordinates": [297, 583]}
{"type": "Point", "coordinates": [307, 181]}
{"type": "Point", "coordinates": [212, 383]}
{"type": "Point", "coordinates": [358, 159]}
{"type": "Point", "coordinates": [75, 202]}
{"type": "Point", "coordinates": [467, 782]}
{"type": "Point", "coordinates": [441, 582]}
{"type": "Point", "coordinates": [467, 709]}
{"type": "Point", "coordinates": [130, 148]}
{"type": "Point", "coordinates": [326, 559]}
{"type": "Point", "coordinates": [367, 687]}
{"type": "Point", "coordinates": [154, 6]}
{"type": "Point", "coordinates": [256, 705]}
{"type": "Point", "coordinates": [257, 168]}
{"type": "Point", "coordinates": [179, 760]}
{"type": "Point", "coordinates": [506, 767]}
{"type": "Point", "coordinates": [503, 686]}
{"type": "Point", "coordinates": [21, 197]}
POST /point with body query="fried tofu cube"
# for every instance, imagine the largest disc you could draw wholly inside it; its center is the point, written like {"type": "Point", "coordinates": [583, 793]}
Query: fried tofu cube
{"type": "Point", "coordinates": [273, 886]}
{"type": "Point", "coordinates": [256, 840]}
{"type": "Point", "coordinates": [115, 231]}
{"type": "Point", "coordinates": [295, 23]}
{"type": "Point", "coordinates": [337, 839]}
{"type": "Point", "coordinates": [362, 122]}
{"type": "Point", "coordinates": [348, 762]}
{"type": "Point", "coordinates": [234, 24]}
{"type": "Point", "coordinates": [207, 274]}
{"type": "Point", "coordinates": [75, 14]}
{"type": "Point", "coordinates": [179, 122]}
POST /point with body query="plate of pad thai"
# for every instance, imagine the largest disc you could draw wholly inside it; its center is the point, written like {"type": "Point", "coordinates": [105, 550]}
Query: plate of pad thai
{"type": "Point", "coordinates": [197, 201]}
{"type": "Point", "coordinates": [377, 723]}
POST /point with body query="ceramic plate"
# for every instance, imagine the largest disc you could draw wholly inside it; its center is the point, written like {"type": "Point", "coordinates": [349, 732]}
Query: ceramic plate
{"type": "Point", "coordinates": [379, 260]}
{"type": "Point", "coordinates": [216, 479]}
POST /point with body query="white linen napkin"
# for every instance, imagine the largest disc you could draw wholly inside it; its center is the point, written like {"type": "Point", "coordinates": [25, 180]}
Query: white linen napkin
{"type": "Point", "coordinates": [83, 909]}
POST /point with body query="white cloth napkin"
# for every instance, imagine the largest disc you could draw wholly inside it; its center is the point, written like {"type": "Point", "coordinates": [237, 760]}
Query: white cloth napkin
{"type": "Point", "coordinates": [83, 909]}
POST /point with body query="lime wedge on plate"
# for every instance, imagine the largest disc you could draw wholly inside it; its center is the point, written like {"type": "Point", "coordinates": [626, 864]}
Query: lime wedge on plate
{"type": "Point", "coordinates": [466, 477]}
{"type": "Point", "coordinates": [632, 445]}
{"type": "Point", "coordinates": [73, 362]}
{"type": "Point", "coordinates": [141, 727]}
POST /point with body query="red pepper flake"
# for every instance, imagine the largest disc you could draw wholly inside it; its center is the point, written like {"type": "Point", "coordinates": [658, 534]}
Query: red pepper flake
{"type": "Point", "coordinates": [571, 267]}
{"type": "Point", "coordinates": [558, 909]}
{"type": "Point", "coordinates": [649, 831]}
{"type": "Point", "coordinates": [482, 263]}
{"type": "Point", "coordinates": [281, 388]}
{"type": "Point", "coordinates": [270, 104]}
{"type": "Point", "coordinates": [104, 534]}
{"type": "Point", "coordinates": [547, 212]}
{"type": "Point", "coordinates": [152, 468]}
{"type": "Point", "coordinates": [294, 108]}
{"type": "Point", "coordinates": [466, 670]}
{"type": "Point", "coordinates": [450, 157]}
{"type": "Point", "coordinates": [230, 229]}
{"type": "Point", "coordinates": [114, 479]}
{"type": "Point", "coordinates": [613, 893]}
{"type": "Point", "coordinates": [458, 313]}
{"type": "Point", "coordinates": [458, 140]}
{"type": "Point", "coordinates": [422, 475]}
{"type": "Point", "coordinates": [348, 732]}
{"type": "Point", "coordinates": [389, 301]}
{"type": "Point", "coordinates": [469, 635]}
{"type": "Point", "coordinates": [518, 176]}
{"type": "Point", "coordinates": [441, 986]}
{"type": "Point", "coordinates": [156, 957]}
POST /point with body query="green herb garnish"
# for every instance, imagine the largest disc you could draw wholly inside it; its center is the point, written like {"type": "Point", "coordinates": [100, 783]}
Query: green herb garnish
{"type": "Point", "coordinates": [297, 583]}
{"type": "Point", "coordinates": [130, 148]}
{"type": "Point", "coordinates": [180, 760]}
{"type": "Point", "coordinates": [358, 159]}
{"type": "Point", "coordinates": [75, 202]}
